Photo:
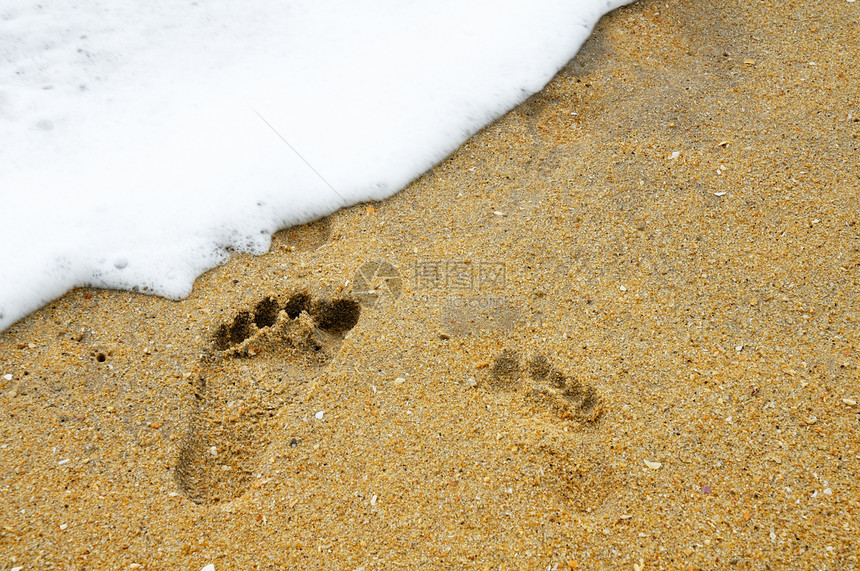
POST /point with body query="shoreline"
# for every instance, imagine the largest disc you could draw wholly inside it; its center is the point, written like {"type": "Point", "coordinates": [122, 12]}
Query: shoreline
{"type": "Point", "coordinates": [589, 352]}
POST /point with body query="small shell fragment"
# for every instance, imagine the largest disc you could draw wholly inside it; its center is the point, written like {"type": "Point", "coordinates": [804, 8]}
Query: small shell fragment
{"type": "Point", "coordinates": [653, 465]}
{"type": "Point", "coordinates": [850, 402]}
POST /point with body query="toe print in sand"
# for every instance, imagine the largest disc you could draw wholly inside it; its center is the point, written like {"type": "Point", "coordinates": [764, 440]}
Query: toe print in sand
{"type": "Point", "coordinates": [569, 397]}
{"type": "Point", "coordinates": [259, 362]}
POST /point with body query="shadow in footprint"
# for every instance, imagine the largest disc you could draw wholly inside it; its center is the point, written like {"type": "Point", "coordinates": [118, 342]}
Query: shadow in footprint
{"type": "Point", "coordinates": [505, 372]}
{"type": "Point", "coordinates": [260, 361]}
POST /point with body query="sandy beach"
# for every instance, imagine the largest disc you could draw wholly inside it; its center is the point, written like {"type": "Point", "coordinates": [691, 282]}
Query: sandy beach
{"type": "Point", "coordinates": [617, 329]}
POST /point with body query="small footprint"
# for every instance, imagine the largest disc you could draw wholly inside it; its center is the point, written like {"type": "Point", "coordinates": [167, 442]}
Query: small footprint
{"type": "Point", "coordinates": [258, 363]}
{"type": "Point", "coordinates": [572, 462]}
{"type": "Point", "coordinates": [549, 387]}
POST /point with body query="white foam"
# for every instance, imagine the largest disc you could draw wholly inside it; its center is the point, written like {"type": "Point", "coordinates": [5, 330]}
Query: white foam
{"type": "Point", "coordinates": [141, 141]}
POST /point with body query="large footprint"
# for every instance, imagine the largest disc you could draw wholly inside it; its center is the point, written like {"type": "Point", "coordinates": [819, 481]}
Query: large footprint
{"type": "Point", "coordinates": [259, 362]}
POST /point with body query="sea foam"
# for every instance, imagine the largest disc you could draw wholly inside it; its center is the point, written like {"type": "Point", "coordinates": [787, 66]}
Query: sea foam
{"type": "Point", "coordinates": [141, 141]}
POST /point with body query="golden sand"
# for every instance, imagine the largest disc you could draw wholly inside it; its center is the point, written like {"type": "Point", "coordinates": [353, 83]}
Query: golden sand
{"type": "Point", "coordinates": [617, 329]}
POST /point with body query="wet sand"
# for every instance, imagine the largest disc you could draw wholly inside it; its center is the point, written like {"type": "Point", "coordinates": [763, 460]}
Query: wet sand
{"type": "Point", "coordinates": [618, 328]}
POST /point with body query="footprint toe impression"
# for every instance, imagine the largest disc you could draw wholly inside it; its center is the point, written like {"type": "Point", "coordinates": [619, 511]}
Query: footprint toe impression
{"type": "Point", "coordinates": [549, 387]}
{"type": "Point", "coordinates": [260, 362]}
